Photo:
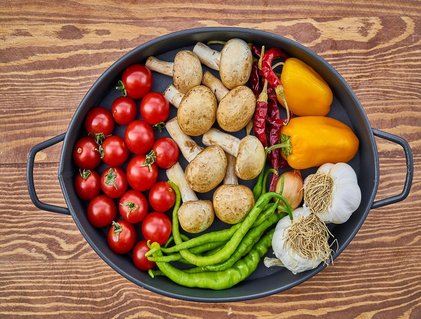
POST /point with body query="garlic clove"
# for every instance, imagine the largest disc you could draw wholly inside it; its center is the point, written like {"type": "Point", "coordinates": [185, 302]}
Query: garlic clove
{"type": "Point", "coordinates": [291, 259]}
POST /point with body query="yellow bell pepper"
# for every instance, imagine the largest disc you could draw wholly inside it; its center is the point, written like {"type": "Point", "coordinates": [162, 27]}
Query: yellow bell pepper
{"type": "Point", "coordinates": [306, 92]}
{"type": "Point", "coordinates": [311, 141]}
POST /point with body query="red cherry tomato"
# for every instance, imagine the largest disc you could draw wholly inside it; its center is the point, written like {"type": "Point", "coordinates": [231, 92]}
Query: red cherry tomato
{"type": "Point", "coordinates": [166, 152]}
{"type": "Point", "coordinates": [133, 206]}
{"type": "Point", "coordinates": [99, 121]}
{"type": "Point", "coordinates": [121, 237]}
{"type": "Point", "coordinates": [138, 256]}
{"type": "Point", "coordinates": [101, 211]}
{"type": "Point", "coordinates": [115, 152]}
{"type": "Point", "coordinates": [137, 81]}
{"type": "Point", "coordinates": [161, 197]}
{"type": "Point", "coordinates": [156, 227]}
{"type": "Point", "coordinates": [141, 177]}
{"type": "Point", "coordinates": [113, 182]}
{"type": "Point", "coordinates": [154, 108]}
{"type": "Point", "coordinates": [139, 137]}
{"type": "Point", "coordinates": [123, 110]}
{"type": "Point", "coordinates": [87, 184]}
{"type": "Point", "coordinates": [86, 154]}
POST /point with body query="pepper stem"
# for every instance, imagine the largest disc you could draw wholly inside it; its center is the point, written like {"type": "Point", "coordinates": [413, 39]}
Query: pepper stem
{"type": "Point", "coordinates": [277, 64]}
{"type": "Point", "coordinates": [263, 96]}
{"type": "Point", "coordinates": [265, 178]}
{"type": "Point", "coordinates": [262, 53]}
{"type": "Point", "coordinates": [285, 145]}
{"type": "Point", "coordinates": [280, 96]}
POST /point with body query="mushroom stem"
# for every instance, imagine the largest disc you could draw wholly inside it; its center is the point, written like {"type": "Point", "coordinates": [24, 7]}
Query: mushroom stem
{"type": "Point", "coordinates": [176, 174]}
{"type": "Point", "coordinates": [249, 127]}
{"type": "Point", "coordinates": [227, 142]}
{"type": "Point", "coordinates": [187, 145]}
{"type": "Point", "coordinates": [173, 95]}
{"type": "Point", "coordinates": [230, 177]}
{"type": "Point", "coordinates": [216, 86]}
{"type": "Point", "coordinates": [209, 57]}
{"type": "Point", "coordinates": [160, 66]}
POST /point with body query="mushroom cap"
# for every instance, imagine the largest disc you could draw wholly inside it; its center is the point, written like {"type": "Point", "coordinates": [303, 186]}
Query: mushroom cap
{"type": "Point", "coordinates": [187, 71]}
{"type": "Point", "coordinates": [236, 109]}
{"type": "Point", "coordinates": [197, 111]}
{"type": "Point", "coordinates": [235, 64]}
{"type": "Point", "coordinates": [232, 203]}
{"type": "Point", "coordinates": [251, 158]}
{"type": "Point", "coordinates": [207, 169]}
{"type": "Point", "coordinates": [196, 216]}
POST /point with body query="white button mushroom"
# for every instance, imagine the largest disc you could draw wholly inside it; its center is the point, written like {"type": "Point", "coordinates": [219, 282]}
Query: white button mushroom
{"type": "Point", "coordinates": [250, 153]}
{"type": "Point", "coordinates": [234, 62]}
{"type": "Point", "coordinates": [196, 109]}
{"type": "Point", "coordinates": [206, 168]}
{"type": "Point", "coordinates": [194, 215]}
{"type": "Point", "coordinates": [186, 69]}
{"type": "Point", "coordinates": [231, 201]}
{"type": "Point", "coordinates": [235, 108]}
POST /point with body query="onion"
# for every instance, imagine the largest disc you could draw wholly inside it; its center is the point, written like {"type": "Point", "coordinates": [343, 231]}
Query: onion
{"type": "Point", "coordinates": [290, 185]}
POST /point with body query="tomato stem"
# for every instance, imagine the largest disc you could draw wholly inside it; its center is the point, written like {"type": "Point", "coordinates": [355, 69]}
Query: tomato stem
{"type": "Point", "coordinates": [120, 86]}
{"type": "Point", "coordinates": [117, 229]}
{"type": "Point", "coordinates": [100, 150]}
{"type": "Point", "coordinates": [84, 173]}
{"type": "Point", "coordinates": [99, 138]}
{"type": "Point", "coordinates": [160, 126]}
{"type": "Point", "coordinates": [131, 206]}
{"type": "Point", "coordinates": [150, 159]}
{"type": "Point", "coordinates": [110, 177]}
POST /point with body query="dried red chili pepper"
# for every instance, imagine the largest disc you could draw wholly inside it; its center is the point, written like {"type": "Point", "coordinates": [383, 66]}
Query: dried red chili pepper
{"type": "Point", "coordinates": [259, 120]}
{"type": "Point", "coordinates": [254, 81]}
{"type": "Point", "coordinates": [255, 50]}
{"type": "Point", "coordinates": [268, 73]}
{"type": "Point", "coordinates": [273, 131]}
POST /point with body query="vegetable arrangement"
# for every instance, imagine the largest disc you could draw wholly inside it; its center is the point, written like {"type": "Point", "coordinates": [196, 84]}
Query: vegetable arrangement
{"type": "Point", "coordinates": [284, 102]}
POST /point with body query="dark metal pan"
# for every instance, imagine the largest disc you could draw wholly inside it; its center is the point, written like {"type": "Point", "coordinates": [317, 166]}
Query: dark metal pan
{"type": "Point", "coordinates": [264, 281]}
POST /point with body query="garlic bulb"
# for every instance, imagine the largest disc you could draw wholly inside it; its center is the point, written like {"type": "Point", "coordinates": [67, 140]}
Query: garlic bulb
{"type": "Point", "coordinates": [300, 244]}
{"type": "Point", "coordinates": [332, 193]}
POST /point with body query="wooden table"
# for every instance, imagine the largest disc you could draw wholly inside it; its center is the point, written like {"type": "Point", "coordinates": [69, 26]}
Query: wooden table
{"type": "Point", "coordinates": [51, 52]}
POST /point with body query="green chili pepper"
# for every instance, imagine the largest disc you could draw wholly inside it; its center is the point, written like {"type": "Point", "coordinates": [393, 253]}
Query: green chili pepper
{"type": "Point", "coordinates": [175, 229]}
{"type": "Point", "coordinates": [252, 237]}
{"type": "Point", "coordinates": [265, 179]}
{"type": "Point", "coordinates": [257, 189]}
{"type": "Point", "coordinates": [234, 241]}
{"type": "Point", "coordinates": [217, 280]}
{"type": "Point", "coordinates": [220, 235]}
{"type": "Point", "coordinates": [196, 250]}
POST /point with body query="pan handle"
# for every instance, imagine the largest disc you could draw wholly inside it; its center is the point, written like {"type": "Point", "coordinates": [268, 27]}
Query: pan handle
{"type": "Point", "coordinates": [30, 175]}
{"type": "Point", "coordinates": [409, 169]}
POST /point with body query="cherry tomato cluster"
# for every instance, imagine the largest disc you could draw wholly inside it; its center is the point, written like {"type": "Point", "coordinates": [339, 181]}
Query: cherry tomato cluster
{"type": "Point", "coordinates": [120, 198]}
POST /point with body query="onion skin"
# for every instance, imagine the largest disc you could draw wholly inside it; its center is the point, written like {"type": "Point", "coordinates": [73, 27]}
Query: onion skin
{"type": "Point", "coordinates": [293, 187]}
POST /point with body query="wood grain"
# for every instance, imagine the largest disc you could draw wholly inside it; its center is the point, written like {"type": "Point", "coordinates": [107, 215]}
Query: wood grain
{"type": "Point", "coordinates": [51, 52]}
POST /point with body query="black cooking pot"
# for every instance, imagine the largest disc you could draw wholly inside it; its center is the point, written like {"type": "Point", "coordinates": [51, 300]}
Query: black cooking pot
{"type": "Point", "coordinates": [264, 281]}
